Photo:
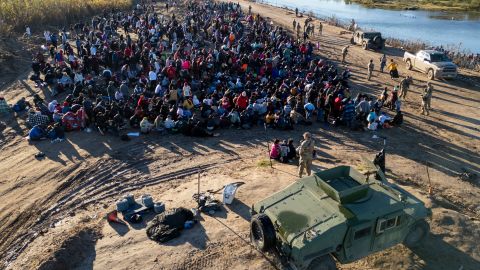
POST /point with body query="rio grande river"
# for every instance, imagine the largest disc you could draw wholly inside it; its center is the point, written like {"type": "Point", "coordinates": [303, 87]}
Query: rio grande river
{"type": "Point", "coordinates": [458, 30]}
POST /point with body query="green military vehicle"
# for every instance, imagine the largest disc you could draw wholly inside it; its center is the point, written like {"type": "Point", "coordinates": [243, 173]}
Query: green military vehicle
{"type": "Point", "coordinates": [368, 40]}
{"type": "Point", "coordinates": [337, 213]}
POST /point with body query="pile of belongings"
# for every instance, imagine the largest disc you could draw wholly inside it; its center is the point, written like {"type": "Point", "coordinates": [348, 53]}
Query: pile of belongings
{"type": "Point", "coordinates": [168, 225]}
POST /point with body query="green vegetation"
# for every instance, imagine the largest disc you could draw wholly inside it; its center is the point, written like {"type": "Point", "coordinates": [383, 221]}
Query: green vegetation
{"type": "Point", "coordinates": [423, 4]}
{"type": "Point", "coordinates": [15, 14]}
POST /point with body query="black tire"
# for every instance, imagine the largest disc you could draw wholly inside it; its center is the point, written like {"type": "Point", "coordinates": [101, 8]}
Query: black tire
{"type": "Point", "coordinates": [409, 64]}
{"type": "Point", "coordinates": [352, 41]}
{"type": "Point", "coordinates": [417, 234]}
{"type": "Point", "coordinates": [262, 233]}
{"type": "Point", "coordinates": [377, 40]}
{"type": "Point", "coordinates": [324, 262]}
{"type": "Point", "coordinates": [430, 74]}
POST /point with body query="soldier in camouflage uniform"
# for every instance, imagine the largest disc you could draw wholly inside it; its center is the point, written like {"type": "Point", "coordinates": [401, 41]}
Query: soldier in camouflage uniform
{"type": "Point", "coordinates": [305, 150]}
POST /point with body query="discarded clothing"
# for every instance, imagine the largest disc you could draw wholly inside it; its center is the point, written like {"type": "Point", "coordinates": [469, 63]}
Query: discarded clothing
{"type": "Point", "coordinates": [168, 225]}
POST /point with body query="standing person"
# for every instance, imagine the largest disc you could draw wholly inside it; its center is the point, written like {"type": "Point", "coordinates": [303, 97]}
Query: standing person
{"type": "Point", "coordinates": [383, 62]}
{"type": "Point", "coordinates": [305, 151]}
{"type": "Point", "coordinates": [344, 53]}
{"type": "Point", "coordinates": [370, 68]}
{"type": "Point", "coordinates": [249, 10]}
{"type": "Point", "coordinates": [392, 69]}
{"type": "Point", "coordinates": [424, 104]}
{"type": "Point", "coordinates": [296, 12]}
{"type": "Point", "coordinates": [320, 28]}
{"type": "Point", "coordinates": [294, 24]}
{"type": "Point", "coordinates": [429, 93]}
{"type": "Point", "coordinates": [166, 6]}
{"type": "Point", "coordinates": [28, 32]}
{"type": "Point", "coordinates": [404, 86]}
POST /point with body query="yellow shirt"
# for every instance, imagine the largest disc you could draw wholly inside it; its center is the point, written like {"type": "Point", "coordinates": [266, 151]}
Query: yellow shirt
{"type": "Point", "coordinates": [392, 66]}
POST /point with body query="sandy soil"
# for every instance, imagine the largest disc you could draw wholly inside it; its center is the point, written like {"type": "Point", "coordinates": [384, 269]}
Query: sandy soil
{"type": "Point", "coordinates": [52, 210]}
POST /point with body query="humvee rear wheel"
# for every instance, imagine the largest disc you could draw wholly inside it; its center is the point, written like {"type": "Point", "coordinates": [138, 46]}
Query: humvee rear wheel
{"type": "Point", "coordinates": [262, 233]}
{"type": "Point", "coordinates": [324, 262]}
{"type": "Point", "coordinates": [417, 234]}
{"type": "Point", "coordinates": [430, 74]}
{"type": "Point", "coordinates": [409, 64]}
{"type": "Point", "coordinates": [352, 41]}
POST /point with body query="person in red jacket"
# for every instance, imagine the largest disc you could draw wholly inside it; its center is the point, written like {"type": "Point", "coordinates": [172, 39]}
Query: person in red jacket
{"type": "Point", "coordinates": [242, 101]}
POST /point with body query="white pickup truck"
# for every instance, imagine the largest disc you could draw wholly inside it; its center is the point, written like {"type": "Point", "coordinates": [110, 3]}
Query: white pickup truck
{"type": "Point", "coordinates": [434, 63]}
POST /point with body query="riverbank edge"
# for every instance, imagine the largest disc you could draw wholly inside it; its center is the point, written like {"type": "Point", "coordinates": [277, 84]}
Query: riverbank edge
{"type": "Point", "coordinates": [403, 44]}
{"type": "Point", "coordinates": [396, 5]}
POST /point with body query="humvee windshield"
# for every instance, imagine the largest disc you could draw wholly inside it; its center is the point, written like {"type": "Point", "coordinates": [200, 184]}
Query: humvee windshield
{"type": "Point", "coordinates": [438, 57]}
{"type": "Point", "coordinates": [371, 35]}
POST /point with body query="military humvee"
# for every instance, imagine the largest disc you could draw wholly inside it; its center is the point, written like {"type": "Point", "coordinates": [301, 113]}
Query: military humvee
{"type": "Point", "coordinates": [368, 40]}
{"type": "Point", "coordinates": [337, 213]}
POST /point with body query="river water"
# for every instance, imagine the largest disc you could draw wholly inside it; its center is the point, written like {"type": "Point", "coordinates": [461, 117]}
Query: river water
{"type": "Point", "coordinates": [453, 30]}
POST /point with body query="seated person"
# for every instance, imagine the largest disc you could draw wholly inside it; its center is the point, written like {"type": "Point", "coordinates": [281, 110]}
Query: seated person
{"type": "Point", "coordinates": [275, 152]}
{"type": "Point", "coordinates": [37, 133]}
{"type": "Point", "coordinates": [145, 126]}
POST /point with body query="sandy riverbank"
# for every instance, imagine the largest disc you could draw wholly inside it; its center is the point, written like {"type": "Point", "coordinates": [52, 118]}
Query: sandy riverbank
{"type": "Point", "coordinates": [41, 198]}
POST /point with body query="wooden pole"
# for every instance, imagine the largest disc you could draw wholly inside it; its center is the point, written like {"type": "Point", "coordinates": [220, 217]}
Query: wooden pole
{"type": "Point", "coordinates": [430, 188]}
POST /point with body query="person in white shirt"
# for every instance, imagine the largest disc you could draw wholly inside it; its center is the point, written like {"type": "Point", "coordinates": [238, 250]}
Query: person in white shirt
{"type": "Point", "coordinates": [78, 77]}
{"type": "Point", "coordinates": [152, 76]}
{"type": "Point", "coordinates": [187, 91]}
{"type": "Point", "coordinates": [159, 90]}
{"type": "Point", "coordinates": [169, 123]}
{"type": "Point", "coordinates": [93, 50]}
{"type": "Point", "coordinates": [28, 32]}
{"type": "Point", "coordinates": [118, 95]}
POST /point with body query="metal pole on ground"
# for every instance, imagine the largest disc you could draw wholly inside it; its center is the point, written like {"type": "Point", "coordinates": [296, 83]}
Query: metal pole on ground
{"type": "Point", "coordinates": [268, 144]}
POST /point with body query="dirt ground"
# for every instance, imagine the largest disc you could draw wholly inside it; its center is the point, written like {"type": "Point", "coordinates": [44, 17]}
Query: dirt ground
{"type": "Point", "coordinates": [52, 210]}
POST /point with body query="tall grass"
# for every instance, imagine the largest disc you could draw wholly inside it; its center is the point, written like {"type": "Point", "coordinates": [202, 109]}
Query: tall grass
{"type": "Point", "coordinates": [15, 14]}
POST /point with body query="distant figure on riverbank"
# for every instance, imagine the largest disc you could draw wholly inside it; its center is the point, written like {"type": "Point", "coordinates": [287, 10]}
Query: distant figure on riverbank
{"type": "Point", "coordinates": [296, 12]}
{"type": "Point", "coordinates": [383, 62]}
{"type": "Point", "coordinates": [344, 53]}
{"type": "Point", "coordinates": [294, 24]}
{"type": "Point", "coordinates": [320, 28]}
{"type": "Point", "coordinates": [370, 68]}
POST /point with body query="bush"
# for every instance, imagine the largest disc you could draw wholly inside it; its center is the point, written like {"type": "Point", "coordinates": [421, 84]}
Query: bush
{"type": "Point", "coordinates": [15, 14]}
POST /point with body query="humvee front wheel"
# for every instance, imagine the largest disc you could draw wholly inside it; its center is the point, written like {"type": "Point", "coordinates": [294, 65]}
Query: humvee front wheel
{"type": "Point", "coordinates": [417, 234]}
{"type": "Point", "coordinates": [352, 41]}
{"type": "Point", "coordinates": [430, 74]}
{"type": "Point", "coordinates": [324, 262]}
{"type": "Point", "coordinates": [364, 46]}
{"type": "Point", "coordinates": [262, 233]}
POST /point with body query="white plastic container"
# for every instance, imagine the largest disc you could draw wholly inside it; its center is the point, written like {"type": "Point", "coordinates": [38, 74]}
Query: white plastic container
{"type": "Point", "coordinates": [229, 193]}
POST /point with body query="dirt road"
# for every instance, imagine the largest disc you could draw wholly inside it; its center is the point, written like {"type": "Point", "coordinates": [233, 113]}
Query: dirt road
{"type": "Point", "coordinates": [52, 211]}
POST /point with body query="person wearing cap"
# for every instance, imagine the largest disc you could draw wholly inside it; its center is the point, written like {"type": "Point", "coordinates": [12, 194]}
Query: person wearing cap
{"type": "Point", "coordinates": [4, 108]}
{"type": "Point", "coordinates": [305, 151]}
